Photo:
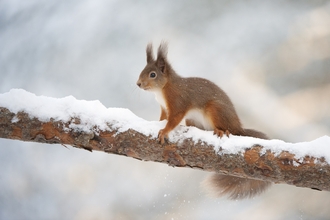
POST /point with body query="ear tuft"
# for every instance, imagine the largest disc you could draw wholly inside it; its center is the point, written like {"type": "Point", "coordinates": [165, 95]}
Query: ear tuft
{"type": "Point", "coordinates": [162, 56]}
{"type": "Point", "coordinates": [150, 56]}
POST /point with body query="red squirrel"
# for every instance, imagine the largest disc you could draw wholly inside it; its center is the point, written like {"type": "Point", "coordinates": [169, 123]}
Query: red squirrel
{"type": "Point", "coordinates": [202, 104]}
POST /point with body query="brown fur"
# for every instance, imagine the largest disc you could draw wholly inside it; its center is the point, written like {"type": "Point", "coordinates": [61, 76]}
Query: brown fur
{"type": "Point", "coordinates": [178, 95]}
{"type": "Point", "coordinates": [234, 187]}
{"type": "Point", "coordinates": [237, 187]}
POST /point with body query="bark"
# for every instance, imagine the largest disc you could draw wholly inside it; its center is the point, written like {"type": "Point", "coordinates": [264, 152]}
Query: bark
{"type": "Point", "coordinates": [310, 172]}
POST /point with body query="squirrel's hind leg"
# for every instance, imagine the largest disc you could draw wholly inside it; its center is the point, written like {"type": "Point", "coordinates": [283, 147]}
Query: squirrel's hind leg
{"type": "Point", "coordinates": [220, 133]}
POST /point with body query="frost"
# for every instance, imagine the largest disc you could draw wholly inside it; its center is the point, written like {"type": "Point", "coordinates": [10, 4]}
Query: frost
{"type": "Point", "coordinates": [15, 119]}
{"type": "Point", "coordinates": [295, 164]}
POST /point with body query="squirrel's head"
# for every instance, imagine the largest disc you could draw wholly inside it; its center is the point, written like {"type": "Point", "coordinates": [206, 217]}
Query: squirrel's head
{"type": "Point", "coordinates": [155, 75]}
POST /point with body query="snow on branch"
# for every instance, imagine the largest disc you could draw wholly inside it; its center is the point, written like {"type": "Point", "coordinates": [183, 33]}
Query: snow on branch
{"type": "Point", "coordinates": [89, 125]}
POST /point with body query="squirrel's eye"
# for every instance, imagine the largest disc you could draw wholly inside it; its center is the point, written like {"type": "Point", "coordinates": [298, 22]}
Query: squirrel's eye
{"type": "Point", "coordinates": [152, 75]}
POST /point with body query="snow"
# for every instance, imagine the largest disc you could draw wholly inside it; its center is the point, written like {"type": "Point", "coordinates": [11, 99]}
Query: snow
{"type": "Point", "coordinates": [94, 115]}
{"type": "Point", "coordinates": [91, 113]}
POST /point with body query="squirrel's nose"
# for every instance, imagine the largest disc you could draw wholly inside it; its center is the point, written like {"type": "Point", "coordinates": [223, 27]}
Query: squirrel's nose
{"type": "Point", "coordinates": [139, 84]}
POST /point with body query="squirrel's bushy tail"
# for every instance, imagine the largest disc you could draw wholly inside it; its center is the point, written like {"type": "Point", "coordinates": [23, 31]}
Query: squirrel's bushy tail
{"type": "Point", "coordinates": [234, 187]}
{"type": "Point", "coordinates": [254, 133]}
{"type": "Point", "coordinates": [237, 187]}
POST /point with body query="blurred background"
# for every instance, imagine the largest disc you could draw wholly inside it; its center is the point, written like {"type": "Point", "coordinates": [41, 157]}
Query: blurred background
{"type": "Point", "coordinates": [271, 57]}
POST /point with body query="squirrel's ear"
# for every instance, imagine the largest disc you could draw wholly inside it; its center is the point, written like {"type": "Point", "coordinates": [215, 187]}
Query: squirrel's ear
{"type": "Point", "coordinates": [161, 56]}
{"type": "Point", "coordinates": [150, 57]}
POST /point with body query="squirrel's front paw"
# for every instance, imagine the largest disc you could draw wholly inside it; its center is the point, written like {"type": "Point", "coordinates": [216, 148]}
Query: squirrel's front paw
{"type": "Point", "coordinates": [220, 133]}
{"type": "Point", "coordinates": [162, 136]}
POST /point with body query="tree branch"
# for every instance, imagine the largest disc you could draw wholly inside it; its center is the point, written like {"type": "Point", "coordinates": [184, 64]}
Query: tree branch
{"type": "Point", "coordinates": [254, 162]}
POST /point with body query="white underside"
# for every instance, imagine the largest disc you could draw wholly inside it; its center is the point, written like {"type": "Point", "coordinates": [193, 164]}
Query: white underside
{"type": "Point", "coordinates": [196, 115]}
{"type": "Point", "coordinates": [200, 119]}
{"type": "Point", "coordinates": [160, 98]}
